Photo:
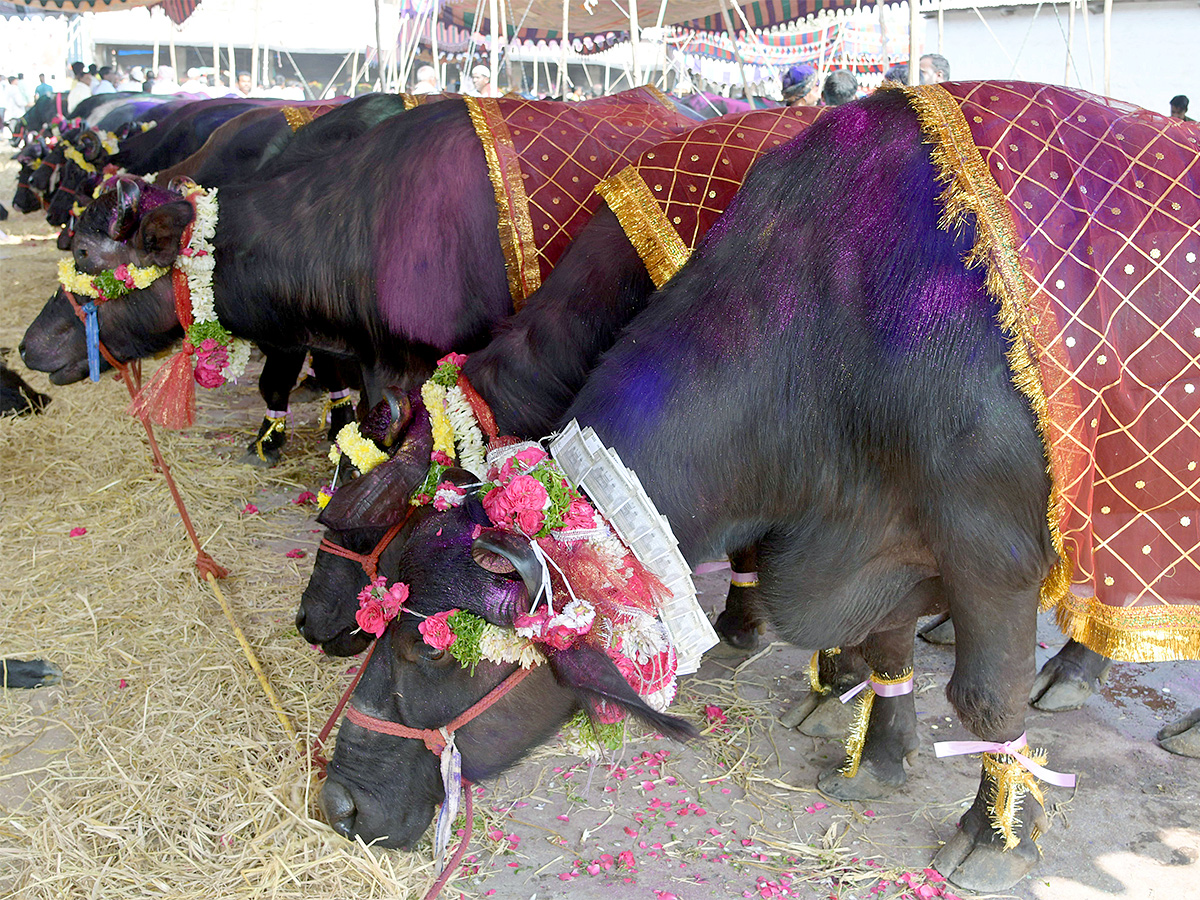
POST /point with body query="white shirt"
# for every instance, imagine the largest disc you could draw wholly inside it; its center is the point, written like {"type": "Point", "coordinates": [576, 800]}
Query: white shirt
{"type": "Point", "coordinates": [103, 86]}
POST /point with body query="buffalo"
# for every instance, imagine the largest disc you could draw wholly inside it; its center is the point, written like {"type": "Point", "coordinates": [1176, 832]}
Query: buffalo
{"type": "Point", "coordinates": [825, 377]}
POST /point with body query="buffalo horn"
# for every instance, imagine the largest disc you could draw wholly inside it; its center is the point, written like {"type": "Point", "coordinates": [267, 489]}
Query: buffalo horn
{"type": "Point", "coordinates": [517, 550]}
{"type": "Point", "coordinates": [125, 217]}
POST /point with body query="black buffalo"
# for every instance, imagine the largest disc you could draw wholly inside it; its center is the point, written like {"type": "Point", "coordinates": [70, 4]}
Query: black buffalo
{"type": "Point", "coordinates": [825, 378]}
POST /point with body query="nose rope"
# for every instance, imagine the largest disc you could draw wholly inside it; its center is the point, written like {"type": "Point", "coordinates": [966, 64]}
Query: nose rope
{"type": "Point", "coordinates": [91, 332]}
{"type": "Point", "coordinates": [369, 561]}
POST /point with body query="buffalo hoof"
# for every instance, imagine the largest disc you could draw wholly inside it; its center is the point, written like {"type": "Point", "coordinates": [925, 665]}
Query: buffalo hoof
{"type": "Point", "coordinates": [872, 781]}
{"type": "Point", "coordinates": [266, 450]}
{"type": "Point", "coordinates": [1182, 737]}
{"type": "Point", "coordinates": [939, 631]}
{"type": "Point", "coordinates": [306, 391]}
{"type": "Point", "coordinates": [1067, 680]}
{"type": "Point", "coordinates": [738, 625]}
{"type": "Point", "coordinates": [819, 715]}
{"type": "Point", "coordinates": [975, 858]}
{"type": "Point", "coordinates": [31, 673]}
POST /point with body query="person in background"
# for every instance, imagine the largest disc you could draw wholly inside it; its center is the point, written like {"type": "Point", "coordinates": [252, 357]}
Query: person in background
{"type": "Point", "coordinates": [43, 89]}
{"type": "Point", "coordinates": [106, 83]}
{"type": "Point", "coordinates": [935, 69]}
{"type": "Point", "coordinates": [132, 81]}
{"type": "Point", "coordinates": [244, 85]}
{"type": "Point", "coordinates": [164, 81]}
{"type": "Point", "coordinates": [81, 89]}
{"type": "Point", "coordinates": [481, 80]}
{"type": "Point", "coordinates": [897, 73]}
{"type": "Point", "coordinates": [801, 86]}
{"type": "Point", "coordinates": [427, 82]}
{"type": "Point", "coordinates": [27, 98]}
{"type": "Point", "coordinates": [840, 87]}
{"type": "Point", "coordinates": [193, 83]}
{"type": "Point", "coordinates": [1179, 108]}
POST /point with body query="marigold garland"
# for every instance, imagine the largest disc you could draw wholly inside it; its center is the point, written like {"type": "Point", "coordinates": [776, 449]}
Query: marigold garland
{"type": "Point", "coordinates": [363, 453]}
{"type": "Point", "coordinates": [108, 284]}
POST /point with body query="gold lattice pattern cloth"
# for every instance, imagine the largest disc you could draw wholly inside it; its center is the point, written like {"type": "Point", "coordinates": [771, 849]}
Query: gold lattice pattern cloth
{"type": "Point", "coordinates": [669, 198]}
{"type": "Point", "coordinates": [1087, 213]}
{"type": "Point", "coordinates": [545, 159]}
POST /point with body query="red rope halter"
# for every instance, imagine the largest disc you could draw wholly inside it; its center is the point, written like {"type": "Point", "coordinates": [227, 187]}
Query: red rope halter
{"type": "Point", "coordinates": [369, 561]}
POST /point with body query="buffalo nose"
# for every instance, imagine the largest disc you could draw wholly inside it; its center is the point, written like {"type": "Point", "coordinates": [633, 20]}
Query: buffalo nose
{"type": "Point", "coordinates": [338, 807]}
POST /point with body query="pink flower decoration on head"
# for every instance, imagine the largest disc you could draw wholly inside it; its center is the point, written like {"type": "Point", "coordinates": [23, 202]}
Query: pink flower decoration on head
{"type": "Point", "coordinates": [436, 630]}
{"type": "Point", "coordinates": [121, 273]}
{"type": "Point", "coordinates": [371, 617]}
{"type": "Point", "coordinates": [394, 599]}
{"type": "Point", "coordinates": [531, 456]}
{"type": "Point", "coordinates": [458, 359]}
{"type": "Point", "coordinates": [439, 456]}
{"type": "Point", "coordinates": [579, 515]}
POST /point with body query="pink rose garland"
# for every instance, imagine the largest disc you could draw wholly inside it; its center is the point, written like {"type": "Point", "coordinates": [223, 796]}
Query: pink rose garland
{"type": "Point", "coordinates": [436, 630]}
{"type": "Point", "coordinates": [379, 604]}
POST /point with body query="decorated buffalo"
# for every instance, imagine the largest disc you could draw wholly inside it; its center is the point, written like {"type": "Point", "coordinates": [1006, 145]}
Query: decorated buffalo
{"type": "Point", "coordinates": [381, 273]}
{"type": "Point", "coordinates": [855, 370]}
{"type": "Point", "coordinates": [539, 357]}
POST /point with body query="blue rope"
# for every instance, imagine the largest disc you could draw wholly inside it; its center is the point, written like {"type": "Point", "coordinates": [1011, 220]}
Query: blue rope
{"type": "Point", "coordinates": [91, 330]}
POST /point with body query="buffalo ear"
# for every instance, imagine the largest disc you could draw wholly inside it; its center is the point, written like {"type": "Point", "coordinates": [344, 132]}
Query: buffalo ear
{"type": "Point", "coordinates": [159, 232]}
{"type": "Point", "coordinates": [593, 677]}
{"type": "Point", "coordinates": [67, 235]}
{"type": "Point", "coordinates": [124, 219]}
{"type": "Point", "coordinates": [89, 146]}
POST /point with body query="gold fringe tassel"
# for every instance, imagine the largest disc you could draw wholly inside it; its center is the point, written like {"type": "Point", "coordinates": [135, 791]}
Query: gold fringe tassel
{"type": "Point", "coordinates": [645, 224]}
{"type": "Point", "coordinates": [970, 191]}
{"type": "Point", "coordinates": [814, 670]}
{"type": "Point", "coordinates": [297, 117]}
{"type": "Point", "coordinates": [278, 425]}
{"type": "Point", "coordinates": [856, 736]}
{"type": "Point", "coordinates": [1013, 781]}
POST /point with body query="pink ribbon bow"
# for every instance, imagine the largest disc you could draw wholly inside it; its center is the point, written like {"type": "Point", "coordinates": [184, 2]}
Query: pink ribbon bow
{"type": "Point", "coordinates": [943, 749]}
{"type": "Point", "coordinates": [881, 690]}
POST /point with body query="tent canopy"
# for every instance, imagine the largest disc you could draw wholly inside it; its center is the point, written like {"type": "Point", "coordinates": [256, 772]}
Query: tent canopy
{"type": "Point", "coordinates": [542, 19]}
{"type": "Point", "coordinates": [176, 10]}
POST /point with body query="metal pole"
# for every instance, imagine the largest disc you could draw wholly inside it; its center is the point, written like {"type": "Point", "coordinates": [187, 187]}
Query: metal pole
{"type": "Point", "coordinates": [1108, 48]}
{"type": "Point", "coordinates": [216, 62]}
{"type": "Point", "coordinates": [254, 49]}
{"type": "Point", "coordinates": [433, 39]}
{"type": "Point", "coordinates": [941, 30]}
{"type": "Point", "coordinates": [737, 54]}
{"type": "Point", "coordinates": [634, 37]}
{"type": "Point", "coordinates": [914, 56]}
{"type": "Point", "coordinates": [565, 47]}
{"type": "Point", "coordinates": [1070, 41]}
{"type": "Point", "coordinates": [494, 56]}
{"type": "Point", "coordinates": [325, 91]}
{"type": "Point", "coordinates": [232, 64]}
{"type": "Point", "coordinates": [379, 44]}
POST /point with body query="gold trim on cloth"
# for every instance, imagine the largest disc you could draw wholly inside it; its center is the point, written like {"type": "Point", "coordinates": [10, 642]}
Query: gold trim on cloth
{"type": "Point", "coordinates": [645, 224]}
{"type": "Point", "coordinates": [1141, 633]}
{"type": "Point", "coordinates": [512, 203]}
{"type": "Point", "coordinates": [971, 190]}
{"type": "Point", "coordinates": [409, 100]}
{"type": "Point", "coordinates": [297, 117]}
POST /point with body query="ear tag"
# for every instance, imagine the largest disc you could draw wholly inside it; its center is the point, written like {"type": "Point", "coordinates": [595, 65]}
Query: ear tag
{"type": "Point", "coordinates": [452, 779]}
{"type": "Point", "coordinates": [91, 333]}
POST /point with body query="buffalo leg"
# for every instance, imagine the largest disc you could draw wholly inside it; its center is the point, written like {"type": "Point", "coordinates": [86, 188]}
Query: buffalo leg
{"type": "Point", "coordinates": [280, 371]}
{"type": "Point", "coordinates": [28, 673]}
{"type": "Point", "coordinates": [1067, 680]}
{"type": "Point", "coordinates": [1183, 736]}
{"type": "Point", "coordinates": [820, 712]}
{"type": "Point", "coordinates": [340, 409]}
{"type": "Point", "coordinates": [739, 623]}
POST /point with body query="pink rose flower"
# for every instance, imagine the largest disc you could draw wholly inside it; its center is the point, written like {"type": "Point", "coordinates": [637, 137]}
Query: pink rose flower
{"type": "Point", "coordinates": [305, 497]}
{"type": "Point", "coordinates": [579, 515]}
{"type": "Point", "coordinates": [531, 456]}
{"type": "Point", "coordinates": [211, 358]}
{"type": "Point", "coordinates": [78, 531]}
{"type": "Point", "coordinates": [532, 626]}
{"type": "Point", "coordinates": [371, 617]}
{"type": "Point", "coordinates": [121, 273]}
{"type": "Point", "coordinates": [394, 599]}
{"type": "Point", "coordinates": [530, 521]}
{"type": "Point", "coordinates": [560, 637]}
{"type": "Point", "coordinates": [498, 505]}
{"type": "Point", "coordinates": [436, 630]}
{"type": "Point", "coordinates": [458, 359]}
{"type": "Point", "coordinates": [439, 456]}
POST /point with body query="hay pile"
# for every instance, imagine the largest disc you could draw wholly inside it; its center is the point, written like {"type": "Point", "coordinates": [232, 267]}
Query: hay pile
{"type": "Point", "coordinates": [158, 768]}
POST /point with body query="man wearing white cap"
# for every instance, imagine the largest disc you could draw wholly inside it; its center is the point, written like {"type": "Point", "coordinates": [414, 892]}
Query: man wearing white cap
{"type": "Point", "coordinates": [481, 79]}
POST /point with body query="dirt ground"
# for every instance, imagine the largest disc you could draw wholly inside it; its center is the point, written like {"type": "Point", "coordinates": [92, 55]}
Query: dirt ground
{"type": "Point", "coordinates": [735, 815]}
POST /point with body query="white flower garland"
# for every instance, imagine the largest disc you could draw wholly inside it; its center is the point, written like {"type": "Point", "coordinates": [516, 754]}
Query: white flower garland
{"type": "Point", "coordinates": [197, 264]}
{"type": "Point", "coordinates": [467, 436]}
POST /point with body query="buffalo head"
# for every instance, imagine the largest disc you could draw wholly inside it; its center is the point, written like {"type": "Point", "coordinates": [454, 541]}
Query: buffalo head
{"type": "Point", "coordinates": [383, 788]}
{"type": "Point", "coordinates": [131, 223]}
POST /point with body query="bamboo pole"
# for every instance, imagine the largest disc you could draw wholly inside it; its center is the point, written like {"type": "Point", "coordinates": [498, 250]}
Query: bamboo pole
{"type": "Point", "coordinates": [662, 36]}
{"type": "Point", "coordinates": [254, 48]}
{"type": "Point", "coordinates": [171, 48]}
{"type": "Point", "coordinates": [914, 57]}
{"type": "Point", "coordinates": [345, 59]}
{"type": "Point", "coordinates": [433, 41]}
{"type": "Point", "coordinates": [737, 54]}
{"type": "Point", "coordinates": [1108, 48]}
{"type": "Point", "coordinates": [354, 74]}
{"type": "Point", "coordinates": [941, 30]}
{"type": "Point", "coordinates": [216, 61]}
{"type": "Point", "coordinates": [564, 46]}
{"type": "Point", "coordinates": [379, 45]}
{"type": "Point", "coordinates": [232, 64]}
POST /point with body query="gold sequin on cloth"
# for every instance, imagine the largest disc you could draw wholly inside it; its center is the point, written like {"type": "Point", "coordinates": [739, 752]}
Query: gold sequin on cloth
{"type": "Point", "coordinates": [1086, 212]}
{"type": "Point", "coordinates": [545, 159]}
{"type": "Point", "coordinates": [669, 198]}
{"type": "Point", "coordinates": [856, 734]}
{"type": "Point", "coordinates": [1012, 782]}
{"type": "Point", "coordinates": [297, 117]}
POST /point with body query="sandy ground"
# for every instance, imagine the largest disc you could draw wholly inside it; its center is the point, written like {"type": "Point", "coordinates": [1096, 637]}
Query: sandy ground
{"type": "Point", "coordinates": [735, 815]}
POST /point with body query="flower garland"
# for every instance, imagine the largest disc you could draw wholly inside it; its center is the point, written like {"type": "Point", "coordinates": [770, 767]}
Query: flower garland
{"type": "Point", "coordinates": [108, 141]}
{"type": "Point", "coordinates": [363, 452]}
{"type": "Point", "coordinates": [378, 604]}
{"type": "Point", "coordinates": [76, 157]}
{"type": "Point", "coordinates": [220, 357]}
{"type": "Point", "coordinates": [456, 435]}
{"type": "Point", "coordinates": [108, 284]}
